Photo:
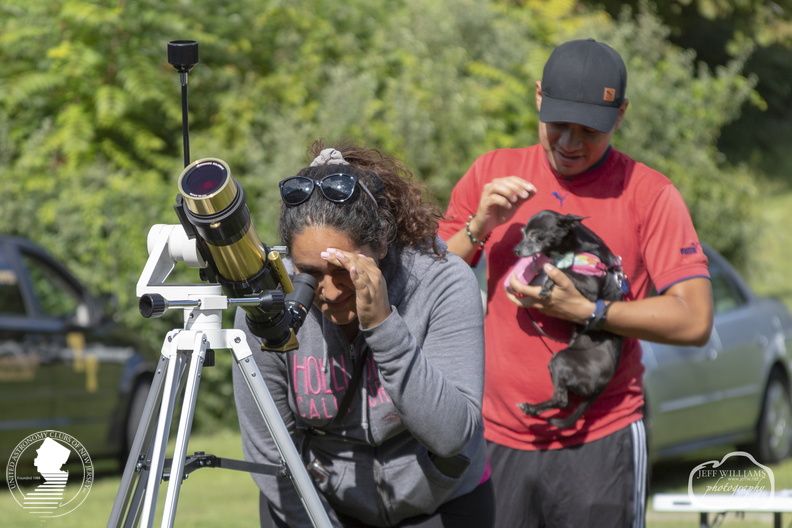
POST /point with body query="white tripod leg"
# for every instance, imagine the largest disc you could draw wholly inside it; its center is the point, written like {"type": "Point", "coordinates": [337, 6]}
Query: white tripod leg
{"type": "Point", "coordinates": [160, 443]}
{"type": "Point", "coordinates": [136, 462]}
{"type": "Point", "coordinates": [283, 441]}
{"type": "Point", "coordinates": [200, 343]}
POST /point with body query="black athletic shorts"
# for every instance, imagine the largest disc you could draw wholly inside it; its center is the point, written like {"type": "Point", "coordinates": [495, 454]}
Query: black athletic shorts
{"type": "Point", "coordinates": [601, 484]}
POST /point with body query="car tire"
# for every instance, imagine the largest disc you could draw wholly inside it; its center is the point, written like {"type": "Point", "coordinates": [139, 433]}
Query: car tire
{"type": "Point", "coordinates": [774, 431]}
{"type": "Point", "coordinates": [136, 405]}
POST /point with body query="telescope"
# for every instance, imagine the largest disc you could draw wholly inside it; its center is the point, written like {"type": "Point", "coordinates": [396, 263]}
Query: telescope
{"type": "Point", "coordinates": [216, 235]}
{"type": "Point", "coordinates": [212, 209]}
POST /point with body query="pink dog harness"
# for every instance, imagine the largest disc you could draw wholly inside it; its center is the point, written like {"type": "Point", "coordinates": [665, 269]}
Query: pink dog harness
{"type": "Point", "coordinates": [526, 269]}
{"type": "Point", "coordinates": [583, 263]}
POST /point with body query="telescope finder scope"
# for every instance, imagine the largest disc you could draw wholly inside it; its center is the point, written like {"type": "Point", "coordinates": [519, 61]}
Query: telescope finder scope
{"type": "Point", "coordinates": [183, 54]}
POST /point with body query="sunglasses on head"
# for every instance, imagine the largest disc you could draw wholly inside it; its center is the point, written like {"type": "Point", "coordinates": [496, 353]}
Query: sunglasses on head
{"type": "Point", "coordinates": [337, 188]}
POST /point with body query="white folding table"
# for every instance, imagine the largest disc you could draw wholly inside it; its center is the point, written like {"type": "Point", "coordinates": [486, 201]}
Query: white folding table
{"type": "Point", "coordinates": [720, 504]}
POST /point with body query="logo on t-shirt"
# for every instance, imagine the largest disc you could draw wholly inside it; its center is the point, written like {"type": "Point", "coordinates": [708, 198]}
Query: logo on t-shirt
{"type": "Point", "coordinates": [692, 249]}
{"type": "Point", "coordinates": [556, 194]}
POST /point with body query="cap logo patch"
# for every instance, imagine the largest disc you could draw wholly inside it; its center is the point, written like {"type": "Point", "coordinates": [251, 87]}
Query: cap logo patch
{"type": "Point", "coordinates": [609, 95]}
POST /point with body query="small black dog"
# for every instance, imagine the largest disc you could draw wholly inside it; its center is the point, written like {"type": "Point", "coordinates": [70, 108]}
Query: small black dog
{"type": "Point", "coordinates": [589, 362]}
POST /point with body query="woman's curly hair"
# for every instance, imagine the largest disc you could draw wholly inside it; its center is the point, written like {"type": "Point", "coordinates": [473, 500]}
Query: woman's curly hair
{"type": "Point", "coordinates": [405, 216]}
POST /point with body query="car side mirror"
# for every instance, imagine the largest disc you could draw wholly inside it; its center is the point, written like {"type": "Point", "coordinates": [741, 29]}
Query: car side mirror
{"type": "Point", "coordinates": [108, 307]}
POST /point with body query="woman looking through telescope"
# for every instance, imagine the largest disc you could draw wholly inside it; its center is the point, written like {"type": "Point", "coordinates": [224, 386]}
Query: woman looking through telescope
{"type": "Point", "coordinates": [383, 395]}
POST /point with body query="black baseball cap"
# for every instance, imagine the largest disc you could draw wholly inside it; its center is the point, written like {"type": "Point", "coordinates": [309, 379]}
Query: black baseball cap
{"type": "Point", "coordinates": [584, 82]}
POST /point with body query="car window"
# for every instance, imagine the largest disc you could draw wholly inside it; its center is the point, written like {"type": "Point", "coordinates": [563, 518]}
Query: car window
{"type": "Point", "coordinates": [56, 296]}
{"type": "Point", "coordinates": [11, 302]}
{"type": "Point", "coordinates": [725, 293]}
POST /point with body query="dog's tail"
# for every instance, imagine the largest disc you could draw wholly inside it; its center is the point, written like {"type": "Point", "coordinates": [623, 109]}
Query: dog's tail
{"type": "Point", "coordinates": [575, 416]}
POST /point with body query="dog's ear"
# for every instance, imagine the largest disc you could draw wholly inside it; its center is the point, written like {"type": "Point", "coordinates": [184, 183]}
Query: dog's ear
{"type": "Point", "coordinates": [570, 219]}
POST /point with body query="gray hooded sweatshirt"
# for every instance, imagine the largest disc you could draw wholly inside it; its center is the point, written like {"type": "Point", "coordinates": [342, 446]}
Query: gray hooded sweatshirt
{"type": "Point", "coordinates": [412, 438]}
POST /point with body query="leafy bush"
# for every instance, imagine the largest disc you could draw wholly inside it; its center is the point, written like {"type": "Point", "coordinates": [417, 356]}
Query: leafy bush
{"type": "Point", "coordinates": [90, 112]}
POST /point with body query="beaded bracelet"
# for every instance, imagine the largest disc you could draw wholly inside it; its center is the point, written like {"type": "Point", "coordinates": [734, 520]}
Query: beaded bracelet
{"type": "Point", "coordinates": [474, 240]}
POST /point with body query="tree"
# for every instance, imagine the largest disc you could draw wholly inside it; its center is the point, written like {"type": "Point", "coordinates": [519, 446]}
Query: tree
{"type": "Point", "coordinates": [717, 31]}
{"type": "Point", "coordinates": [90, 111]}
{"type": "Point", "coordinates": [677, 111]}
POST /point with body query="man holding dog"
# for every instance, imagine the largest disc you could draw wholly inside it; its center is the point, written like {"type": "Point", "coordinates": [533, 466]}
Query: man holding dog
{"type": "Point", "coordinates": [592, 473]}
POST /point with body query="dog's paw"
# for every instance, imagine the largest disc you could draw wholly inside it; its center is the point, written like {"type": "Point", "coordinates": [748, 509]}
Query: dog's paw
{"type": "Point", "coordinates": [547, 288]}
{"type": "Point", "coordinates": [528, 409]}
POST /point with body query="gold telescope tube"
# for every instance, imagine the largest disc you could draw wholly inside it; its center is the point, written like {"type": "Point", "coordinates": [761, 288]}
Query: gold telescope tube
{"type": "Point", "coordinates": [219, 214]}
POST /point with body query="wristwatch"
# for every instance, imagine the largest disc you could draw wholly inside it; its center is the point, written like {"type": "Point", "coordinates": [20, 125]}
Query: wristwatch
{"type": "Point", "coordinates": [597, 319]}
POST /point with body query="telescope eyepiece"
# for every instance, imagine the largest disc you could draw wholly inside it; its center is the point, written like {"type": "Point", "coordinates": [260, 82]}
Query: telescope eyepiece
{"type": "Point", "coordinates": [279, 334]}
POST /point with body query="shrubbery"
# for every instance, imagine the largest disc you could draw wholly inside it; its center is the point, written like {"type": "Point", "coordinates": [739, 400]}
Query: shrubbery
{"type": "Point", "coordinates": [90, 112]}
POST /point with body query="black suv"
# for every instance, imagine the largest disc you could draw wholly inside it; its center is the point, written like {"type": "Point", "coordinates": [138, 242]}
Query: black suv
{"type": "Point", "coordinates": [64, 364]}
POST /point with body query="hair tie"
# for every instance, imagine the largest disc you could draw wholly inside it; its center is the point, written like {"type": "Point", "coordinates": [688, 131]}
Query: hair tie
{"type": "Point", "coordinates": [329, 156]}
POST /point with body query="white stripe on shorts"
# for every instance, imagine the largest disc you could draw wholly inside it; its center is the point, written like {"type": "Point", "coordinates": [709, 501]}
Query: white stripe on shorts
{"type": "Point", "coordinates": [639, 464]}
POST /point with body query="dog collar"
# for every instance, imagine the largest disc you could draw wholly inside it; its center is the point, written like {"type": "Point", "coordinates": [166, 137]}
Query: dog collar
{"type": "Point", "coordinates": [589, 264]}
{"type": "Point", "coordinates": [583, 263]}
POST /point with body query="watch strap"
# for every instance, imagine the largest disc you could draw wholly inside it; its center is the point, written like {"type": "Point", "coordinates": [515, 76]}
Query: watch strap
{"type": "Point", "coordinates": [597, 318]}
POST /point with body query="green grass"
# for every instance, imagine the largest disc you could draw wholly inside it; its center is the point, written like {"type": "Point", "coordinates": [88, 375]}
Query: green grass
{"type": "Point", "coordinates": [671, 476]}
{"type": "Point", "coordinates": [220, 497]}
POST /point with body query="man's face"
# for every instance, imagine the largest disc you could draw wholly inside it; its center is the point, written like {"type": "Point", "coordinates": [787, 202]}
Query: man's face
{"type": "Point", "coordinates": [572, 148]}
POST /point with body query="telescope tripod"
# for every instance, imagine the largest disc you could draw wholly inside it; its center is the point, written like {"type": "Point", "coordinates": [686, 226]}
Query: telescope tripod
{"type": "Point", "coordinates": [184, 352]}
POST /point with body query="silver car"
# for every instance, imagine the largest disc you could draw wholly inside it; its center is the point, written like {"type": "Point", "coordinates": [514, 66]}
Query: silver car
{"type": "Point", "coordinates": [732, 392]}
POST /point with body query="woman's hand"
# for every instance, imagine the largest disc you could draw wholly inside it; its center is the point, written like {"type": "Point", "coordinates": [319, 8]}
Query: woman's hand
{"type": "Point", "coordinates": [373, 305]}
